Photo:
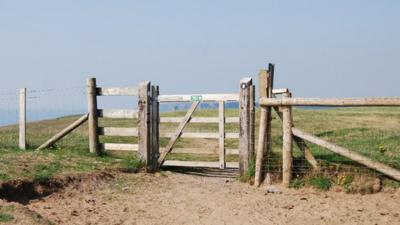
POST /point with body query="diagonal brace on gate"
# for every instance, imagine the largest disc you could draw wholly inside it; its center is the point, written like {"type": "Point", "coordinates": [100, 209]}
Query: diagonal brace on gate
{"type": "Point", "coordinates": [178, 133]}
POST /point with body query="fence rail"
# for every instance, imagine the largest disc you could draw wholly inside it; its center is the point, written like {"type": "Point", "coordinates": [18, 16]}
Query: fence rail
{"type": "Point", "coordinates": [283, 107]}
{"type": "Point", "coordinates": [353, 102]}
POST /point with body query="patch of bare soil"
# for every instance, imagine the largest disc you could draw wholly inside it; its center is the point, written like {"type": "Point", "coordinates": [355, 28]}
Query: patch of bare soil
{"type": "Point", "coordinates": [208, 198]}
{"type": "Point", "coordinates": [21, 215]}
{"type": "Point", "coordinates": [24, 191]}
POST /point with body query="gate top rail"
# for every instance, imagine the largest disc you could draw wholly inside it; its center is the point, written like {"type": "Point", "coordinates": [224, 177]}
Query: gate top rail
{"type": "Point", "coordinates": [350, 102]}
{"type": "Point", "coordinates": [199, 97]}
{"type": "Point", "coordinates": [117, 91]}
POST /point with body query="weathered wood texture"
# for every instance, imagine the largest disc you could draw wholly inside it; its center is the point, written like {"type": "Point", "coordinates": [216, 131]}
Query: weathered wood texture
{"type": "Point", "coordinates": [245, 151]}
{"type": "Point", "coordinates": [349, 102]}
{"type": "Point", "coordinates": [270, 94]}
{"type": "Point", "coordinates": [119, 147]}
{"type": "Point", "coordinates": [22, 119]}
{"type": "Point", "coordinates": [155, 129]}
{"type": "Point", "coordinates": [178, 133]}
{"type": "Point", "coordinates": [200, 135]}
{"type": "Point", "coordinates": [144, 126]}
{"type": "Point", "coordinates": [200, 97]}
{"type": "Point", "coordinates": [230, 165]}
{"type": "Point", "coordinates": [287, 148]}
{"type": "Point", "coordinates": [204, 151]}
{"type": "Point", "coordinates": [388, 171]}
{"type": "Point", "coordinates": [264, 78]}
{"type": "Point", "coordinates": [252, 122]}
{"type": "Point", "coordinates": [221, 126]}
{"type": "Point", "coordinates": [120, 91]}
{"type": "Point", "coordinates": [64, 132]}
{"type": "Point", "coordinates": [118, 113]}
{"type": "Point", "coordinates": [199, 120]}
{"type": "Point", "coordinates": [118, 131]}
{"type": "Point", "coordinates": [93, 120]}
{"type": "Point", "coordinates": [280, 91]}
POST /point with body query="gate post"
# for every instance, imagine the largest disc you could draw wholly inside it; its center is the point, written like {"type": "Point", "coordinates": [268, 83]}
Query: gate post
{"type": "Point", "coordinates": [246, 153]}
{"type": "Point", "coordinates": [144, 121]}
{"type": "Point", "coordinates": [155, 129]}
{"type": "Point", "coordinates": [149, 118]}
{"type": "Point", "coordinates": [93, 120]}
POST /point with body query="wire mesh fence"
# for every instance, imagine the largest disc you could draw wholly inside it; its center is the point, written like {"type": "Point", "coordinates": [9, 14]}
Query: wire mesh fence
{"type": "Point", "coordinates": [47, 112]}
{"type": "Point", "coordinates": [8, 118]}
{"type": "Point", "coordinates": [373, 132]}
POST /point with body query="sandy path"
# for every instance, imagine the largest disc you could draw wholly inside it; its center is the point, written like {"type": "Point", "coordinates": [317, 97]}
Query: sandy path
{"type": "Point", "coordinates": [173, 198]}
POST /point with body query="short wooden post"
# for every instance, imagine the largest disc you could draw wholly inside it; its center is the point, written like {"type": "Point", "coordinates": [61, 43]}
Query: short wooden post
{"type": "Point", "coordinates": [222, 162]}
{"type": "Point", "coordinates": [155, 131]}
{"type": "Point", "coordinates": [287, 157]}
{"type": "Point", "coordinates": [245, 152]}
{"type": "Point", "coordinates": [144, 123]}
{"type": "Point", "coordinates": [22, 118]}
{"type": "Point", "coordinates": [94, 145]}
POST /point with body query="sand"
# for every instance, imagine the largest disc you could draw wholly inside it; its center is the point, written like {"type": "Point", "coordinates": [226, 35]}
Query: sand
{"type": "Point", "coordinates": [178, 198]}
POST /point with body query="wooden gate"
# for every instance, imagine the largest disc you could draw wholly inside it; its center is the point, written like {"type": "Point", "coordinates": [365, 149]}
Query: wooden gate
{"type": "Point", "coordinates": [146, 127]}
{"type": "Point", "coordinates": [245, 135]}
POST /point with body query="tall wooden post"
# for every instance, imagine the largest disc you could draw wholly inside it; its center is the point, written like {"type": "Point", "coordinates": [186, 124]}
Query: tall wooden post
{"type": "Point", "coordinates": [22, 118]}
{"type": "Point", "coordinates": [252, 121]}
{"type": "Point", "coordinates": [263, 136]}
{"type": "Point", "coordinates": [144, 122]}
{"type": "Point", "coordinates": [94, 145]}
{"type": "Point", "coordinates": [270, 87]}
{"type": "Point", "coordinates": [222, 163]}
{"type": "Point", "coordinates": [245, 152]}
{"type": "Point", "coordinates": [155, 130]}
{"type": "Point", "coordinates": [287, 148]}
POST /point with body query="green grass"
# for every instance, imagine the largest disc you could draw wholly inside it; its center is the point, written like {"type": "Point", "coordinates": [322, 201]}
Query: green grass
{"type": "Point", "coordinates": [373, 132]}
{"type": "Point", "coordinates": [320, 182]}
{"type": "Point", "coordinates": [5, 213]}
{"type": "Point", "coordinates": [4, 217]}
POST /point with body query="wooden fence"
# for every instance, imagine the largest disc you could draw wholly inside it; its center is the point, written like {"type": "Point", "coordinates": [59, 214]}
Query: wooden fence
{"type": "Point", "coordinates": [283, 107]}
{"type": "Point", "coordinates": [246, 134]}
{"type": "Point", "coordinates": [147, 129]}
{"type": "Point", "coordinates": [147, 116]}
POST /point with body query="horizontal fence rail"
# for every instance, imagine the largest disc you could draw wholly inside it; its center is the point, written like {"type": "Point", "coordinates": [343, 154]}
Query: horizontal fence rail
{"type": "Point", "coordinates": [118, 131]}
{"type": "Point", "coordinates": [125, 91]}
{"type": "Point", "coordinates": [199, 120]}
{"type": "Point", "coordinates": [199, 97]}
{"type": "Point", "coordinates": [200, 164]}
{"type": "Point", "coordinates": [280, 91]}
{"type": "Point", "coordinates": [204, 151]}
{"type": "Point", "coordinates": [350, 102]}
{"type": "Point", "coordinates": [120, 147]}
{"type": "Point", "coordinates": [201, 135]}
{"type": "Point", "coordinates": [118, 113]}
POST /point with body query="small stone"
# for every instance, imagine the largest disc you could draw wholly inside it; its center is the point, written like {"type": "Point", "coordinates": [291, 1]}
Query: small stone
{"type": "Point", "coordinates": [273, 190]}
{"type": "Point", "coordinates": [74, 213]}
{"type": "Point", "coordinates": [289, 207]}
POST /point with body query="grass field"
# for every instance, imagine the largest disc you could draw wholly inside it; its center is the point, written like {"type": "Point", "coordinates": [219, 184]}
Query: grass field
{"type": "Point", "coordinates": [373, 132]}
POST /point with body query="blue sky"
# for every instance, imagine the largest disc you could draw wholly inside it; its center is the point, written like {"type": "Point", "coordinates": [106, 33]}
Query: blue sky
{"type": "Point", "coordinates": [320, 48]}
